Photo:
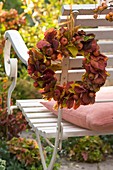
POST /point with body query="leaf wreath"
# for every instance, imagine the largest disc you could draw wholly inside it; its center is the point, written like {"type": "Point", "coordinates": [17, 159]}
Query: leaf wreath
{"type": "Point", "coordinates": [46, 58]}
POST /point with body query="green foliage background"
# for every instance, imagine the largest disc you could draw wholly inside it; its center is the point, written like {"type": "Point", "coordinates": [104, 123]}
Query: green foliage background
{"type": "Point", "coordinates": [47, 11]}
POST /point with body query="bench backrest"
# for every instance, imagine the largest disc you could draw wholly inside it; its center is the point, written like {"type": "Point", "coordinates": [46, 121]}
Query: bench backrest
{"type": "Point", "coordinates": [103, 30]}
{"type": "Point", "coordinates": [83, 16]}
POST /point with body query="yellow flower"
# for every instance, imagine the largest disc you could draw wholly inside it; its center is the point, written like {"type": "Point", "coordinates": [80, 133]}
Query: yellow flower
{"type": "Point", "coordinates": [5, 79]}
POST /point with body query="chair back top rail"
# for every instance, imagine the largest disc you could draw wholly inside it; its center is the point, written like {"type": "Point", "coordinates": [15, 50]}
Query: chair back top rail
{"type": "Point", "coordinates": [83, 8]}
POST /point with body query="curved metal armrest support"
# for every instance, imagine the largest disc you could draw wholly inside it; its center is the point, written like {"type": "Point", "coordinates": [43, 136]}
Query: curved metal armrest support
{"type": "Point", "coordinates": [13, 39]}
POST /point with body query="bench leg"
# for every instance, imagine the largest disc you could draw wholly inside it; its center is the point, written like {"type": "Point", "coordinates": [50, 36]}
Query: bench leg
{"type": "Point", "coordinates": [53, 159]}
{"type": "Point", "coordinates": [41, 150]}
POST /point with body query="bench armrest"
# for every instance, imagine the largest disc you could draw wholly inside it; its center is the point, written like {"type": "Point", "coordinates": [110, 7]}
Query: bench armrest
{"type": "Point", "coordinates": [13, 39]}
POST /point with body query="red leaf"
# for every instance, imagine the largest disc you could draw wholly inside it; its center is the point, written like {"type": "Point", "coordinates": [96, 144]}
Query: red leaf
{"type": "Point", "coordinates": [55, 44]}
{"type": "Point", "coordinates": [85, 155]}
{"type": "Point", "coordinates": [50, 34]}
{"type": "Point", "coordinates": [43, 43]}
{"type": "Point", "coordinates": [79, 89]}
{"type": "Point", "coordinates": [70, 103]}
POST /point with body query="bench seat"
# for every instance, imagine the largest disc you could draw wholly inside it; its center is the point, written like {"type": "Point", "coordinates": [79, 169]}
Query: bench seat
{"type": "Point", "coordinates": [43, 120]}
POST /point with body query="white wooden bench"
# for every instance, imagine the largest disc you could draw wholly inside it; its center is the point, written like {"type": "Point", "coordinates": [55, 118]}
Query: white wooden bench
{"type": "Point", "coordinates": [42, 121]}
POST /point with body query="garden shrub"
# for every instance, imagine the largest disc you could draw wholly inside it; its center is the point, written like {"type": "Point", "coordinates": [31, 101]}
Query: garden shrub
{"type": "Point", "coordinates": [41, 16]}
{"type": "Point", "coordinates": [87, 149]}
{"type": "Point", "coordinates": [25, 90]}
{"type": "Point", "coordinates": [26, 150]}
{"type": "Point", "coordinates": [108, 139]}
{"type": "Point", "coordinates": [10, 125]}
{"type": "Point", "coordinates": [9, 19]}
{"type": "Point", "coordinates": [8, 4]}
{"type": "Point", "coordinates": [23, 154]}
{"type": "Point", "coordinates": [11, 162]}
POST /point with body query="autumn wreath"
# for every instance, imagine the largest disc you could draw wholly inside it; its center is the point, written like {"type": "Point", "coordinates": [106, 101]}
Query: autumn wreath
{"type": "Point", "coordinates": [46, 58]}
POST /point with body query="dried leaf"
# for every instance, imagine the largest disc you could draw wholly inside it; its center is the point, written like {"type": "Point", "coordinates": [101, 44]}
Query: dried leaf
{"type": "Point", "coordinates": [59, 56]}
{"type": "Point", "coordinates": [73, 50]}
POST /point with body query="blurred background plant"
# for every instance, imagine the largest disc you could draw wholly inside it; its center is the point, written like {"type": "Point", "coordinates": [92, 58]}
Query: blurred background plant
{"type": "Point", "coordinates": [23, 154]}
{"type": "Point", "coordinates": [10, 125]}
{"type": "Point", "coordinates": [86, 149]}
{"type": "Point", "coordinates": [2, 164]}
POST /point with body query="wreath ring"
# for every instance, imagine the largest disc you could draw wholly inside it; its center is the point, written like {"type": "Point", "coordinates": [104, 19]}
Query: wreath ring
{"type": "Point", "coordinates": [46, 58]}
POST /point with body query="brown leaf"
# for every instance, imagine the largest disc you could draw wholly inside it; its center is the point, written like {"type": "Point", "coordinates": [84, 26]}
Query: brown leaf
{"type": "Point", "coordinates": [70, 102]}
{"type": "Point", "coordinates": [55, 44]}
{"type": "Point", "coordinates": [50, 35]}
{"type": "Point", "coordinates": [42, 43]}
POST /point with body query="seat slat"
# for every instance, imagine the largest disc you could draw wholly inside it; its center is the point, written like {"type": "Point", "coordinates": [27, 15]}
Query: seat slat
{"type": "Point", "coordinates": [76, 131]}
{"type": "Point", "coordinates": [43, 120]}
{"type": "Point", "coordinates": [29, 104]}
{"type": "Point", "coordinates": [51, 128]}
{"type": "Point", "coordinates": [50, 124]}
{"type": "Point", "coordinates": [34, 109]}
{"type": "Point", "coordinates": [29, 100]}
{"type": "Point", "coordinates": [38, 115]}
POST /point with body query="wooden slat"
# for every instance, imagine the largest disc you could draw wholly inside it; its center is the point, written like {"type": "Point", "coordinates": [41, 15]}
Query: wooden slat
{"type": "Point", "coordinates": [88, 21]}
{"type": "Point", "coordinates": [51, 128]}
{"type": "Point", "coordinates": [29, 101]}
{"type": "Point", "coordinates": [76, 75]}
{"type": "Point", "coordinates": [50, 124]}
{"type": "Point", "coordinates": [106, 46]}
{"type": "Point", "coordinates": [38, 115]}
{"type": "Point", "coordinates": [83, 9]}
{"type": "Point", "coordinates": [76, 131]}
{"type": "Point", "coordinates": [77, 63]}
{"type": "Point", "coordinates": [30, 104]}
{"type": "Point", "coordinates": [46, 120]}
{"type": "Point", "coordinates": [100, 33]}
{"type": "Point", "coordinates": [34, 109]}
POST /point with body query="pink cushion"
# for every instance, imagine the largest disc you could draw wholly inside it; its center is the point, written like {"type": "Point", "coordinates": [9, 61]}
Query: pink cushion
{"type": "Point", "coordinates": [97, 117]}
